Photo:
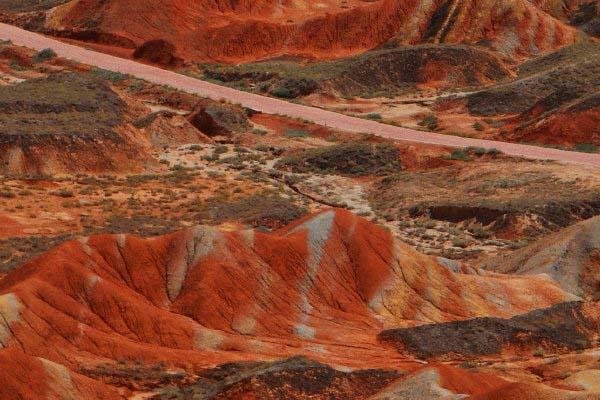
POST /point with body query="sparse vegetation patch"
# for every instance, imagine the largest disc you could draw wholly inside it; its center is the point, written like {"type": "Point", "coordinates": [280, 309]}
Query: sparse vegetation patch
{"type": "Point", "coordinates": [351, 159]}
{"type": "Point", "coordinates": [65, 104]}
{"type": "Point", "coordinates": [266, 210]}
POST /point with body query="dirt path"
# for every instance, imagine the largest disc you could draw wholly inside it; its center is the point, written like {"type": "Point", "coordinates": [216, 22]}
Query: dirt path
{"type": "Point", "coordinates": [274, 106]}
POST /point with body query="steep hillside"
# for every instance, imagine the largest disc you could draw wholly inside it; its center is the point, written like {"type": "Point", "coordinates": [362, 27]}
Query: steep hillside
{"type": "Point", "coordinates": [191, 297]}
{"type": "Point", "coordinates": [570, 257]}
{"type": "Point", "coordinates": [234, 32]}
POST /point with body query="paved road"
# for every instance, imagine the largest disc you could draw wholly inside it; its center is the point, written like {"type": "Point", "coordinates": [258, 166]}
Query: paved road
{"type": "Point", "coordinates": [274, 106]}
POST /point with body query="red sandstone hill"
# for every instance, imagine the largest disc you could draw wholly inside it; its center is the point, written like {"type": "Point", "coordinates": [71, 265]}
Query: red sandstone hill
{"type": "Point", "coordinates": [323, 287]}
{"type": "Point", "coordinates": [244, 31]}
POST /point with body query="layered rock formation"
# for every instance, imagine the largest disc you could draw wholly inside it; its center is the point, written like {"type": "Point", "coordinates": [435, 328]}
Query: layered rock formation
{"type": "Point", "coordinates": [242, 31]}
{"type": "Point", "coordinates": [323, 287]}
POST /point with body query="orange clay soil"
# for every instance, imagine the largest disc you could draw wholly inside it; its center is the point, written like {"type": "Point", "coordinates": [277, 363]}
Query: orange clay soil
{"type": "Point", "coordinates": [245, 31]}
{"type": "Point", "coordinates": [35, 378]}
{"type": "Point", "coordinates": [10, 227]}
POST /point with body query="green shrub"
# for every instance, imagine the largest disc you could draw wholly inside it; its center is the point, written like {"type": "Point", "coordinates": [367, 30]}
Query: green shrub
{"type": "Point", "coordinates": [106, 75]}
{"type": "Point", "coordinates": [586, 147]}
{"type": "Point", "coordinates": [351, 159]}
{"type": "Point", "coordinates": [481, 151]}
{"type": "Point", "coordinates": [478, 151]}
{"type": "Point", "coordinates": [282, 92]}
{"type": "Point", "coordinates": [296, 133]}
{"type": "Point", "coordinates": [430, 122]}
{"type": "Point", "coordinates": [63, 193]}
{"type": "Point", "coordinates": [460, 155]}
{"type": "Point", "coordinates": [478, 126]}
{"type": "Point", "coordinates": [374, 116]}
{"type": "Point", "coordinates": [478, 231]}
{"type": "Point", "coordinates": [460, 242]}
{"type": "Point", "coordinates": [221, 149]}
{"type": "Point", "coordinates": [291, 88]}
{"type": "Point", "coordinates": [44, 55]}
{"type": "Point", "coordinates": [7, 194]}
{"type": "Point", "coordinates": [136, 86]}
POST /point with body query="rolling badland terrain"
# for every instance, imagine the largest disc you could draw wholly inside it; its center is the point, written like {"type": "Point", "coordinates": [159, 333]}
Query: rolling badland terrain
{"type": "Point", "coordinates": [158, 244]}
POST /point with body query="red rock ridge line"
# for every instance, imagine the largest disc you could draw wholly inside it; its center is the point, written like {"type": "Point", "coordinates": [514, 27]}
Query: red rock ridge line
{"type": "Point", "coordinates": [323, 287]}
{"type": "Point", "coordinates": [221, 32]}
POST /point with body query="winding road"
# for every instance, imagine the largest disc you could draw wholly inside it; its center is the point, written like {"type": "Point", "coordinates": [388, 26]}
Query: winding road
{"type": "Point", "coordinates": [274, 106]}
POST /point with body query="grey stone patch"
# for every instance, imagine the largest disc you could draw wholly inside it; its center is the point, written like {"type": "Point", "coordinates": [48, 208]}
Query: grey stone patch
{"type": "Point", "coordinates": [321, 349]}
{"type": "Point", "coordinates": [60, 381]}
{"type": "Point", "coordinates": [208, 339]}
{"type": "Point", "coordinates": [452, 265]}
{"type": "Point", "coordinates": [424, 384]}
{"type": "Point", "coordinates": [248, 236]}
{"type": "Point", "coordinates": [10, 310]}
{"type": "Point", "coordinates": [561, 256]}
{"type": "Point", "coordinates": [121, 240]}
{"type": "Point", "coordinates": [244, 325]}
{"type": "Point", "coordinates": [319, 231]}
{"type": "Point", "coordinates": [377, 302]}
{"type": "Point", "coordinates": [84, 244]}
{"type": "Point", "coordinates": [508, 42]}
{"type": "Point", "coordinates": [91, 282]}
{"type": "Point", "coordinates": [305, 331]}
{"type": "Point", "coordinates": [197, 243]}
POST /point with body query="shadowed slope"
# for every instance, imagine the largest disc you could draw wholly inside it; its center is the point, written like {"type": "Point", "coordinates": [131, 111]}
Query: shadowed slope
{"type": "Point", "coordinates": [564, 327]}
